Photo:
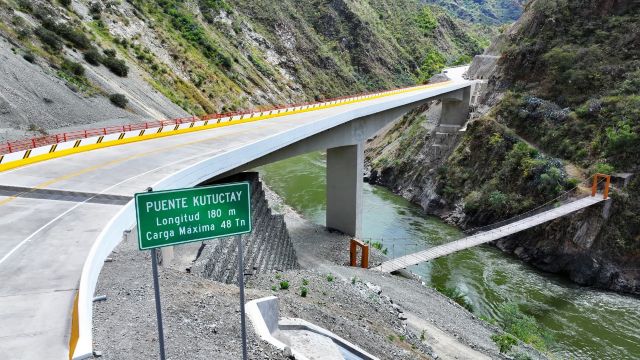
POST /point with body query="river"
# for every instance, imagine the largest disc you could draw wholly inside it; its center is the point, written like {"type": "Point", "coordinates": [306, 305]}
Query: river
{"type": "Point", "coordinates": [585, 323]}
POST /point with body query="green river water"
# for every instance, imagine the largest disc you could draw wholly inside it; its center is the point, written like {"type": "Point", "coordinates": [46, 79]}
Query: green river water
{"type": "Point", "coordinates": [585, 323]}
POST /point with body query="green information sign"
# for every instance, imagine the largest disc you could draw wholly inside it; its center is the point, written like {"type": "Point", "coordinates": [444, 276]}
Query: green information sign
{"type": "Point", "coordinates": [173, 217]}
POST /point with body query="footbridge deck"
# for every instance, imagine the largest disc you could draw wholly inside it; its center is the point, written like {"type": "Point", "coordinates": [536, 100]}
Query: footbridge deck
{"type": "Point", "coordinates": [485, 237]}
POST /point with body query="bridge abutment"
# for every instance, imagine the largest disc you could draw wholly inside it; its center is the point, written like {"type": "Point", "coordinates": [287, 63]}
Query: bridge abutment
{"type": "Point", "coordinates": [344, 188]}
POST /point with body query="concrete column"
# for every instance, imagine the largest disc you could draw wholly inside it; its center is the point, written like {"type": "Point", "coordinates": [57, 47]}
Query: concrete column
{"type": "Point", "coordinates": [455, 107]}
{"type": "Point", "coordinates": [344, 188]}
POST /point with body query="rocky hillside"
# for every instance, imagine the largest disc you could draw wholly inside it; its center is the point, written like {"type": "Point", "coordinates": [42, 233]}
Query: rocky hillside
{"type": "Point", "coordinates": [564, 104]}
{"type": "Point", "coordinates": [69, 63]}
{"type": "Point", "coordinates": [492, 12]}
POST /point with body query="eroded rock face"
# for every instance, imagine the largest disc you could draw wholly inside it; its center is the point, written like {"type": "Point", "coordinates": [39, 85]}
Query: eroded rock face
{"type": "Point", "coordinates": [579, 246]}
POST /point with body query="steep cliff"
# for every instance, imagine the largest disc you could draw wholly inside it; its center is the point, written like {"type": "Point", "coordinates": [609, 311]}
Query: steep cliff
{"type": "Point", "coordinates": [561, 103]}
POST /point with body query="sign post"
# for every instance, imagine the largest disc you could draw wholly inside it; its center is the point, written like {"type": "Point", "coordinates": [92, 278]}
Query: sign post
{"type": "Point", "coordinates": [173, 217]}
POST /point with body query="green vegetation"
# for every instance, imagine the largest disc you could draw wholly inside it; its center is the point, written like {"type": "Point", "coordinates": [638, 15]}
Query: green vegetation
{"type": "Point", "coordinates": [521, 326]}
{"type": "Point", "coordinates": [426, 20]}
{"type": "Point", "coordinates": [378, 246]}
{"type": "Point", "coordinates": [432, 64]}
{"type": "Point", "coordinates": [29, 57]}
{"type": "Point", "coordinates": [330, 278]}
{"type": "Point", "coordinates": [485, 12]}
{"type": "Point", "coordinates": [458, 296]}
{"type": "Point", "coordinates": [304, 291]}
{"type": "Point", "coordinates": [49, 39]}
{"type": "Point", "coordinates": [115, 65]}
{"type": "Point", "coordinates": [305, 282]}
{"type": "Point", "coordinates": [119, 100]}
{"type": "Point", "coordinates": [504, 341]}
{"type": "Point", "coordinates": [284, 285]}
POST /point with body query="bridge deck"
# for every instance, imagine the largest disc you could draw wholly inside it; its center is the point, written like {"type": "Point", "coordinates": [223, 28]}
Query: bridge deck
{"type": "Point", "coordinates": [484, 237]}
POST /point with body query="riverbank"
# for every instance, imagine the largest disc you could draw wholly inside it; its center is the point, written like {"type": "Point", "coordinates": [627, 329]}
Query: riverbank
{"type": "Point", "coordinates": [585, 323]}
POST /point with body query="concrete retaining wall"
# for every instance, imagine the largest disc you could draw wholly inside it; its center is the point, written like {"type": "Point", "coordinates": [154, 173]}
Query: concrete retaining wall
{"type": "Point", "coordinates": [267, 248]}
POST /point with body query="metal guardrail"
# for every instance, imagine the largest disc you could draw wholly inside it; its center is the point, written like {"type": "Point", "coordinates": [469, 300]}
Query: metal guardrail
{"type": "Point", "coordinates": [32, 143]}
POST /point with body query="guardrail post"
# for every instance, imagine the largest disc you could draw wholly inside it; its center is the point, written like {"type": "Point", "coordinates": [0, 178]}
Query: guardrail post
{"type": "Point", "coordinates": [64, 136]}
{"type": "Point", "coordinates": [606, 187]}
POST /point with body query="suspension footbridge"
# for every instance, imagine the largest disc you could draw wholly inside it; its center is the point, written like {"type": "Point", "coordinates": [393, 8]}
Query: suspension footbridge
{"type": "Point", "coordinates": [403, 262]}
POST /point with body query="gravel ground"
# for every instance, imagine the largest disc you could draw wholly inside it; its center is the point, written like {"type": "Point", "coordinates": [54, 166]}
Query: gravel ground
{"type": "Point", "coordinates": [352, 310]}
{"type": "Point", "coordinates": [201, 317]}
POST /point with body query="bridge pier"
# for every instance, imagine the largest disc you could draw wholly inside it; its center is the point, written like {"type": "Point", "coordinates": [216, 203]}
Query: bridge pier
{"type": "Point", "coordinates": [455, 107]}
{"type": "Point", "coordinates": [344, 188]}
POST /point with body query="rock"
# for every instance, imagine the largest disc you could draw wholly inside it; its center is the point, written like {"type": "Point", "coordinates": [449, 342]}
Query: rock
{"type": "Point", "coordinates": [288, 353]}
{"type": "Point", "coordinates": [402, 316]}
{"type": "Point", "coordinates": [375, 288]}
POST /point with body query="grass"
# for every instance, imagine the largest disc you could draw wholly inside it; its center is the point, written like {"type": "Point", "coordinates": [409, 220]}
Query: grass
{"type": "Point", "coordinates": [504, 341]}
{"type": "Point", "coordinates": [519, 326]}
{"type": "Point", "coordinates": [456, 295]}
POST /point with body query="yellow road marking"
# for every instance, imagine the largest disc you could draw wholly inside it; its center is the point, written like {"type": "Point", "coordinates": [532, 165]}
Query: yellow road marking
{"type": "Point", "coordinates": [112, 162]}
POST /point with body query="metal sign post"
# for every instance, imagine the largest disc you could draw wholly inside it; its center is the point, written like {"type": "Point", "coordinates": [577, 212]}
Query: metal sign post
{"type": "Point", "coordinates": [243, 328]}
{"type": "Point", "coordinates": [172, 217]}
{"type": "Point", "coordinates": [156, 288]}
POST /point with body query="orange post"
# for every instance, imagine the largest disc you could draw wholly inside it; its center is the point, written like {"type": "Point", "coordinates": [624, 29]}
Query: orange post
{"type": "Point", "coordinates": [353, 253]}
{"type": "Point", "coordinates": [594, 187]}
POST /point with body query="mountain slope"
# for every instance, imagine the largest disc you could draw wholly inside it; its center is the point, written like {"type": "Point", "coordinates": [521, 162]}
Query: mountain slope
{"type": "Point", "coordinates": [218, 55]}
{"type": "Point", "coordinates": [563, 104]}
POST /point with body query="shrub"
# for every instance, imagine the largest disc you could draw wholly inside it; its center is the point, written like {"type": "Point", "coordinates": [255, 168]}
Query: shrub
{"type": "Point", "coordinates": [457, 296]}
{"type": "Point", "coordinates": [426, 20]}
{"type": "Point", "coordinates": [305, 282]}
{"type": "Point", "coordinates": [110, 52]}
{"type": "Point", "coordinates": [504, 341]}
{"type": "Point", "coordinates": [49, 38]}
{"type": "Point", "coordinates": [304, 291]}
{"type": "Point", "coordinates": [330, 278]}
{"type": "Point", "coordinates": [119, 100]}
{"type": "Point", "coordinates": [29, 57]}
{"type": "Point", "coordinates": [603, 168]}
{"type": "Point", "coordinates": [284, 285]}
{"type": "Point", "coordinates": [73, 35]}
{"type": "Point", "coordinates": [95, 9]}
{"type": "Point", "coordinates": [25, 5]}
{"type": "Point", "coordinates": [93, 56]}
{"type": "Point", "coordinates": [432, 64]}
{"type": "Point", "coordinates": [65, 3]}
{"type": "Point", "coordinates": [116, 66]}
{"type": "Point", "coordinates": [273, 288]}
{"type": "Point", "coordinates": [72, 68]}
{"type": "Point", "coordinates": [523, 327]}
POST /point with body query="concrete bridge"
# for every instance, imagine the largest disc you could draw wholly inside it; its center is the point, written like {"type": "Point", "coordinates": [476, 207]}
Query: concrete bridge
{"type": "Point", "coordinates": [65, 205]}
